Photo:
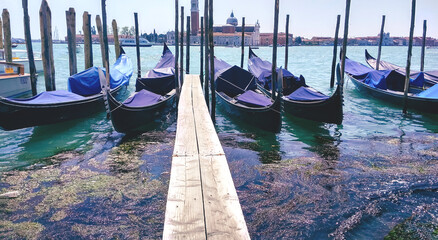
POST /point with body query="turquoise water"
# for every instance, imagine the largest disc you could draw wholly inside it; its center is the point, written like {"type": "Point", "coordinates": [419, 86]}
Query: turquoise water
{"type": "Point", "coordinates": [358, 180]}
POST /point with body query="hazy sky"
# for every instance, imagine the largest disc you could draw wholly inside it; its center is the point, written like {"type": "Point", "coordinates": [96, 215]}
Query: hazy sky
{"type": "Point", "coordinates": [308, 17]}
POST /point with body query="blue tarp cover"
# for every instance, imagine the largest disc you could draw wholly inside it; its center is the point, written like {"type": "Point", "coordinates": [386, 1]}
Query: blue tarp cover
{"type": "Point", "coordinates": [87, 82]}
{"type": "Point", "coordinates": [161, 79]}
{"type": "Point", "coordinates": [432, 92]}
{"type": "Point", "coordinates": [306, 94]}
{"type": "Point", "coordinates": [232, 80]}
{"type": "Point", "coordinates": [58, 96]}
{"type": "Point", "coordinates": [142, 99]}
{"type": "Point", "coordinates": [382, 79]}
{"type": "Point", "coordinates": [254, 99]}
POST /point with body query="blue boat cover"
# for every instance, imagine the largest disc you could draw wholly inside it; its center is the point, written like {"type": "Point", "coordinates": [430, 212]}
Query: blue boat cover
{"type": "Point", "coordinates": [382, 79]}
{"type": "Point", "coordinates": [232, 80]}
{"type": "Point", "coordinates": [306, 94]}
{"type": "Point", "coordinates": [254, 99]}
{"type": "Point", "coordinates": [263, 72]}
{"type": "Point", "coordinates": [87, 82]}
{"type": "Point", "coordinates": [432, 92]}
{"type": "Point", "coordinates": [51, 97]}
{"type": "Point", "coordinates": [142, 99]}
{"type": "Point", "coordinates": [161, 79]}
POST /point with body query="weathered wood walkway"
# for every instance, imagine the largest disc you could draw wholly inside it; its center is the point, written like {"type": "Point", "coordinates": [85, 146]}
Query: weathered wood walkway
{"type": "Point", "coordinates": [202, 201]}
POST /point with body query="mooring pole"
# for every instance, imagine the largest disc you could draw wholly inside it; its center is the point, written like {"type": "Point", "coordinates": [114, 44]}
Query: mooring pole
{"type": "Point", "coordinates": [7, 35]}
{"type": "Point", "coordinates": [243, 42]}
{"type": "Point", "coordinates": [345, 41]}
{"type": "Point", "coordinates": [137, 46]}
{"type": "Point", "coordinates": [100, 32]}
{"type": "Point", "coordinates": [408, 64]}
{"type": "Point", "coordinates": [177, 81]}
{"type": "Point", "coordinates": [211, 52]}
{"type": "Point", "coordinates": [423, 47]}
{"type": "Point", "coordinates": [1, 33]}
{"type": "Point", "coordinates": [206, 52]}
{"type": "Point", "coordinates": [116, 38]}
{"type": "Point", "coordinates": [201, 75]}
{"type": "Point", "coordinates": [30, 57]}
{"type": "Point", "coordinates": [88, 47]}
{"type": "Point", "coordinates": [71, 40]}
{"type": "Point", "coordinates": [105, 41]}
{"type": "Point", "coordinates": [286, 55]}
{"type": "Point", "coordinates": [181, 60]}
{"type": "Point", "coordinates": [274, 50]}
{"type": "Point", "coordinates": [46, 45]}
{"type": "Point", "coordinates": [188, 46]}
{"type": "Point", "coordinates": [380, 43]}
{"type": "Point", "coordinates": [335, 52]}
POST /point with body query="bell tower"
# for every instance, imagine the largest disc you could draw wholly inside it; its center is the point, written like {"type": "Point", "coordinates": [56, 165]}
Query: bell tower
{"type": "Point", "coordinates": [195, 17]}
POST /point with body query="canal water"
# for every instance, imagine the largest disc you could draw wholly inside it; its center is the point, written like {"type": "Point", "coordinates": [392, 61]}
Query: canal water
{"type": "Point", "coordinates": [372, 177]}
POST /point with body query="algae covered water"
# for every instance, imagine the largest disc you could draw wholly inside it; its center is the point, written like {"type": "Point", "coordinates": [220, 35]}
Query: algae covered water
{"type": "Point", "coordinates": [374, 176]}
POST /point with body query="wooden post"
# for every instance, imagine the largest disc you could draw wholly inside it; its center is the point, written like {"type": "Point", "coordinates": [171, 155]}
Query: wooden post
{"type": "Point", "coordinates": [423, 47]}
{"type": "Point", "coordinates": [408, 64]}
{"type": "Point", "coordinates": [211, 42]}
{"type": "Point", "coordinates": [201, 75]}
{"type": "Point", "coordinates": [206, 46]}
{"type": "Point", "coordinates": [274, 50]}
{"type": "Point", "coordinates": [286, 55]}
{"type": "Point", "coordinates": [188, 46]}
{"type": "Point", "coordinates": [100, 32]}
{"type": "Point", "coordinates": [137, 47]}
{"type": "Point", "coordinates": [46, 45]}
{"type": "Point", "coordinates": [105, 42]}
{"type": "Point", "coordinates": [7, 35]}
{"type": "Point", "coordinates": [335, 52]}
{"type": "Point", "coordinates": [380, 42]}
{"type": "Point", "coordinates": [181, 60]}
{"type": "Point", "coordinates": [177, 81]}
{"type": "Point", "coordinates": [116, 38]}
{"type": "Point", "coordinates": [345, 41]}
{"type": "Point", "coordinates": [71, 37]}
{"type": "Point", "coordinates": [88, 47]}
{"type": "Point", "coordinates": [243, 42]}
{"type": "Point", "coordinates": [30, 57]}
{"type": "Point", "coordinates": [1, 33]}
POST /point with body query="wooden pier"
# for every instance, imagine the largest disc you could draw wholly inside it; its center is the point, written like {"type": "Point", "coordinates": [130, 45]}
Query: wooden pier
{"type": "Point", "coordinates": [202, 201]}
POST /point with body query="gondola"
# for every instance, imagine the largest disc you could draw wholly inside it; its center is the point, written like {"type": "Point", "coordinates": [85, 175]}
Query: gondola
{"type": "Point", "coordinates": [83, 99]}
{"type": "Point", "coordinates": [237, 94]}
{"type": "Point", "coordinates": [388, 85]}
{"type": "Point", "coordinates": [430, 77]}
{"type": "Point", "coordinates": [154, 97]}
{"type": "Point", "coordinates": [299, 99]}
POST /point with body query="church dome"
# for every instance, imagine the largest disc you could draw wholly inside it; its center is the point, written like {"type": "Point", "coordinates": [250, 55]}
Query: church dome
{"type": "Point", "coordinates": [232, 20]}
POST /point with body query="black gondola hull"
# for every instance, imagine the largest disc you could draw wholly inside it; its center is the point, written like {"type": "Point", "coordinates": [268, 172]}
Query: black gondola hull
{"type": "Point", "coordinates": [15, 115]}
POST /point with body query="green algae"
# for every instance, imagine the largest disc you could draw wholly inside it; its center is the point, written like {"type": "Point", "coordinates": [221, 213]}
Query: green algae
{"type": "Point", "coordinates": [26, 230]}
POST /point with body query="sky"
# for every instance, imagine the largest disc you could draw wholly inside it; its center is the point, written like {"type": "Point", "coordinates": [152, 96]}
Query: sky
{"type": "Point", "coordinates": [308, 18]}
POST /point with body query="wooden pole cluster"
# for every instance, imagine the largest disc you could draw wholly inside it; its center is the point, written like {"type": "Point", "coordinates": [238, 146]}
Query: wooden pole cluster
{"type": "Point", "coordinates": [423, 47]}
{"type": "Point", "coordinates": [408, 64]}
{"type": "Point", "coordinates": [137, 45]}
{"type": "Point", "coordinates": [380, 43]}
{"type": "Point", "coordinates": [286, 55]}
{"type": "Point", "coordinates": [100, 32]}
{"type": "Point", "coordinates": [177, 81]}
{"type": "Point", "coordinates": [181, 60]}
{"type": "Point", "coordinates": [211, 52]}
{"type": "Point", "coordinates": [206, 52]}
{"type": "Point", "coordinates": [201, 75]}
{"type": "Point", "coordinates": [335, 52]}
{"type": "Point", "coordinates": [46, 45]}
{"type": "Point", "coordinates": [274, 50]}
{"type": "Point", "coordinates": [345, 41]}
{"type": "Point", "coordinates": [1, 33]}
{"type": "Point", "coordinates": [7, 35]}
{"type": "Point", "coordinates": [243, 42]}
{"type": "Point", "coordinates": [188, 46]}
{"type": "Point", "coordinates": [71, 39]}
{"type": "Point", "coordinates": [116, 38]}
{"type": "Point", "coordinates": [88, 47]}
{"type": "Point", "coordinates": [30, 57]}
